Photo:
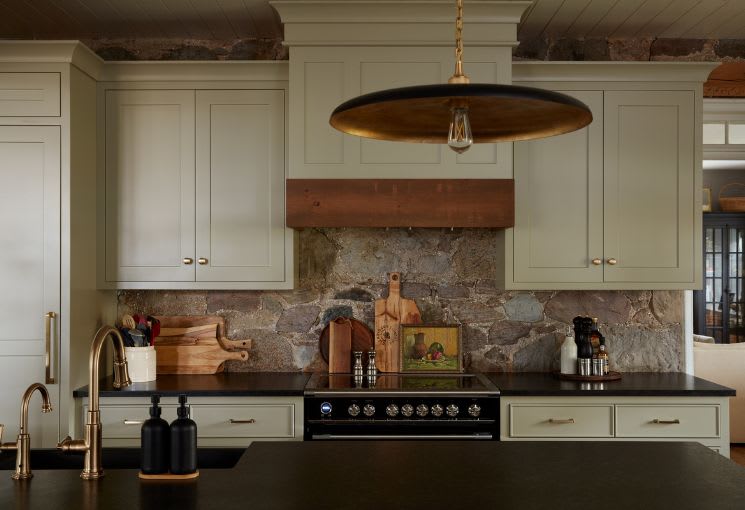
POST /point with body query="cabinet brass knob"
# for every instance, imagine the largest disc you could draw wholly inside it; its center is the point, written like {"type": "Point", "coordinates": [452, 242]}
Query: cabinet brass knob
{"type": "Point", "coordinates": [202, 260]}
{"type": "Point", "coordinates": [597, 262]}
{"type": "Point", "coordinates": [188, 261]}
{"type": "Point", "coordinates": [612, 261]}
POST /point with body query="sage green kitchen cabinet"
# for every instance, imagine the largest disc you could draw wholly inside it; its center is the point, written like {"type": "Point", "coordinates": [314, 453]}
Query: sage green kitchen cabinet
{"type": "Point", "coordinates": [49, 305]}
{"type": "Point", "coordinates": [616, 204]}
{"type": "Point", "coordinates": [195, 187]}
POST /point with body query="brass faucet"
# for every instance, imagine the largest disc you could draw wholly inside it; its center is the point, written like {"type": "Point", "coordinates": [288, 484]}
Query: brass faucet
{"type": "Point", "coordinates": [91, 445]}
{"type": "Point", "coordinates": [22, 446]}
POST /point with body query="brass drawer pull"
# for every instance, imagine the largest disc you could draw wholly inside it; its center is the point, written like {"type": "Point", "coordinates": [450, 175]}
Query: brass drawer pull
{"type": "Point", "coordinates": [232, 421]}
{"type": "Point", "coordinates": [612, 261]}
{"type": "Point", "coordinates": [50, 330]}
{"type": "Point", "coordinates": [188, 261]}
{"type": "Point", "coordinates": [133, 422]}
{"type": "Point", "coordinates": [560, 421]}
{"type": "Point", "coordinates": [597, 262]}
{"type": "Point", "coordinates": [202, 261]}
{"type": "Point", "coordinates": [666, 422]}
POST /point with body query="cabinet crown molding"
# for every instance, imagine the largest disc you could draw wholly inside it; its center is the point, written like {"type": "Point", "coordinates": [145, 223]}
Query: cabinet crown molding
{"type": "Point", "coordinates": [37, 52]}
{"type": "Point", "coordinates": [696, 72]}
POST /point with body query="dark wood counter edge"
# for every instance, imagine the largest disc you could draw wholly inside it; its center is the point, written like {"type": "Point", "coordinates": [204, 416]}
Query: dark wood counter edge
{"type": "Point", "coordinates": [235, 384]}
{"type": "Point", "coordinates": [492, 474]}
{"type": "Point", "coordinates": [542, 384]}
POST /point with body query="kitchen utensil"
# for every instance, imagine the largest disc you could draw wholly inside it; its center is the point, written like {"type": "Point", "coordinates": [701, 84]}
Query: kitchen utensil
{"type": "Point", "coordinates": [340, 346]}
{"type": "Point", "coordinates": [154, 328]}
{"type": "Point", "coordinates": [362, 339]}
{"type": "Point", "coordinates": [128, 322]}
{"type": "Point", "coordinates": [390, 313]}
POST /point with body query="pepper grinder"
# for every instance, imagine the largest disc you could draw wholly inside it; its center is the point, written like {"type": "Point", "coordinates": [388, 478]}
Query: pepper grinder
{"type": "Point", "coordinates": [372, 370]}
{"type": "Point", "coordinates": [358, 369]}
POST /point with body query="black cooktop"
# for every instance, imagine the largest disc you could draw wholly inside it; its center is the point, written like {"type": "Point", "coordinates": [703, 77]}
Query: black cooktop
{"type": "Point", "coordinates": [323, 382]}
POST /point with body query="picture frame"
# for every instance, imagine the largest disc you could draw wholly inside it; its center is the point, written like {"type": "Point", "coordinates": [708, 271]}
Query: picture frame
{"type": "Point", "coordinates": [431, 348]}
{"type": "Point", "coordinates": [706, 200]}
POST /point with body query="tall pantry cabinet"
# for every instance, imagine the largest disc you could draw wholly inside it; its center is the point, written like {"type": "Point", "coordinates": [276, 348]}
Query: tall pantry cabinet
{"type": "Point", "coordinates": [49, 305]}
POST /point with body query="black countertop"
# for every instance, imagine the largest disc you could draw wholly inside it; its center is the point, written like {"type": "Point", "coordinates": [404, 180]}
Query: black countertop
{"type": "Point", "coordinates": [231, 384]}
{"type": "Point", "coordinates": [414, 475]}
{"type": "Point", "coordinates": [632, 384]}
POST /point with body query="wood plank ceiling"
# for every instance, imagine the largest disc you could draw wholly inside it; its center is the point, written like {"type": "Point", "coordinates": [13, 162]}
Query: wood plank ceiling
{"type": "Point", "coordinates": [235, 19]}
{"type": "Point", "coordinates": [627, 19]}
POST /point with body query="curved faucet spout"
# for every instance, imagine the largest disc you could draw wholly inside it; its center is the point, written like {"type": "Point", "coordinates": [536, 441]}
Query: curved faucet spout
{"type": "Point", "coordinates": [121, 374]}
{"type": "Point", "coordinates": [46, 405]}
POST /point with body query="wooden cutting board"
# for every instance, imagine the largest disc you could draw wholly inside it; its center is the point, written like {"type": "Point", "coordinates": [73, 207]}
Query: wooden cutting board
{"type": "Point", "coordinates": [195, 345]}
{"type": "Point", "coordinates": [362, 340]}
{"type": "Point", "coordinates": [390, 313]}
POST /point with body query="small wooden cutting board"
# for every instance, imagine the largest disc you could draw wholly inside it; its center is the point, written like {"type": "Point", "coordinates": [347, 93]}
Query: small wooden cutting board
{"type": "Point", "coordinates": [390, 313]}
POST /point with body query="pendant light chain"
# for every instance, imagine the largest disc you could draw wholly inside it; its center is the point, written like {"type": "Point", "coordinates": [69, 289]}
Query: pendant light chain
{"type": "Point", "coordinates": [458, 76]}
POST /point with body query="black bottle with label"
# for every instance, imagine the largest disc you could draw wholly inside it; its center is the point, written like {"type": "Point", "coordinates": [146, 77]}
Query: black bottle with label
{"type": "Point", "coordinates": [183, 441]}
{"type": "Point", "coordinates": [155, 441]}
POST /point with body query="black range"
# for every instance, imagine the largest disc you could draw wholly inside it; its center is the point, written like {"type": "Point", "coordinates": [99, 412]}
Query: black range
{"type": "Point", "coordinates": [401, 406]}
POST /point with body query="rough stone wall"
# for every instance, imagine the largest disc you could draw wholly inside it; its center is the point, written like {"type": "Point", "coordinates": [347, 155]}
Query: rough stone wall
{"type": "Point", "coordinates": [451, 276]}
{"type": "Point", "coordinates": [712, 50]}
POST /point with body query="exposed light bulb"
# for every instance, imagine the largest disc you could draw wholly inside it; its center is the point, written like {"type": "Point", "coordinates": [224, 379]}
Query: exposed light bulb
{"type": "Point", "coordinates": [459, 135]}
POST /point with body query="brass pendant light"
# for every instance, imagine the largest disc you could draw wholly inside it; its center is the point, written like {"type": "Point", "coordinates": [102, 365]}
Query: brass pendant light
{"type": "Point", "coordinates": [460, 113]}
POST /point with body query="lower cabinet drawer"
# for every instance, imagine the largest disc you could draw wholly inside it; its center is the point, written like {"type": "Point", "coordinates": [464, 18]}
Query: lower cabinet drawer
{"type": "Point", "coordinates": [561, 421]}
{"type": "Point", "coordinates": [125, 422]}
{"type": "Point", "coordinates": [688, 421]}
{"type": "Point", "coordinates": [254, 420]}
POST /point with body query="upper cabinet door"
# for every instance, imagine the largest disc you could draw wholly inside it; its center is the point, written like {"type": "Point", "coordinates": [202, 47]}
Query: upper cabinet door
{"type": "Point", "coordinates": [29, 271]}
{"type": "Point", "coordinates": [150, 186]}
{"type": "Point", "coordinates": [559, 203]}
{"type": "Point", "coordinates": [240, 153]}
{"type": "Point", "coordinates": [650, 172]}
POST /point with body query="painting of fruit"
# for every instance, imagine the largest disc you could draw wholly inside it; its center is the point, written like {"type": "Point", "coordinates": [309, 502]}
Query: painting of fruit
{"type": "Point", "coordinates": [431, 348]}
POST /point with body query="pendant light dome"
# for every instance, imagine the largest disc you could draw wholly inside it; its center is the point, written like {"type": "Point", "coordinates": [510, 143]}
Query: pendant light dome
{"type": "Point", "coordinates": [460, 113]}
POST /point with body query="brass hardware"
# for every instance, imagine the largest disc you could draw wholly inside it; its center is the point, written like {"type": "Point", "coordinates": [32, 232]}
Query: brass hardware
{"type": "Point", "coordinates": [48, 331]}
{"type": "Point", "coordinates": [612, 261]}
{"type": "Point", "coordinates": [597, 262]}
{"type": "Point", "coordinates": [91, 445]}
{"type": "Point", "coordinates": [242, 421]}
{"type": "Point", "coordinates": [202, 261]}
{"type": "Point", "coordinates": [22, 446]}
{"type": "Point", "coordinates": [133, 422]}
{"type": "Point", "coordinates": [561, 421]}
{"type": "Point", "coordinates": [666, 422]}
{"type": "Point", "coordinates": [188, 261]}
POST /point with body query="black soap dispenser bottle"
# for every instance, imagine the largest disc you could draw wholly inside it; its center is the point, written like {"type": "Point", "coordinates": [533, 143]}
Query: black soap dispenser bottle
{"type": "Point", "coordinates": [155, 441]}
{"type": "Point", "coordinates": [183, 441]}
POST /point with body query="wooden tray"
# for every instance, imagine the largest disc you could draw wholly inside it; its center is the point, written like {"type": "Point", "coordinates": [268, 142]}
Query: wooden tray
{"type": "Point", "coordinates": [612, 376]}
{"type": "Point", "coordinates": [168, 476]}
{"type": "Point", "coordinates": [362, 340]}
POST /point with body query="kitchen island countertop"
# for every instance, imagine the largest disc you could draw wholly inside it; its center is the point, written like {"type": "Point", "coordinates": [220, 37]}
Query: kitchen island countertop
{"type": "Point", "coordinates": [229, 384]}
{"type": "Point", "coordinates": [363, 475]}
{"type": "Point", "coordinates": [632, 384]}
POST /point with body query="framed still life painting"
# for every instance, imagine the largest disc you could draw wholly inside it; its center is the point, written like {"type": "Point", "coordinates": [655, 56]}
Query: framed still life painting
{"type": "Point", "coordinates": [431, 348]}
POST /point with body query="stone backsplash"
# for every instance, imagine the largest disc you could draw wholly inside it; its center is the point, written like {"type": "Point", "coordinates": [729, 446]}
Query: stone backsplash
{"type": "Point", "coordinates": [451, 275]}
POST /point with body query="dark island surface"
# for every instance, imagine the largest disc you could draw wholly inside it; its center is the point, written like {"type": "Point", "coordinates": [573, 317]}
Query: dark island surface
{"type": "Point", "coordinates": [632, 384]}
{"type": "Point", "coordinates": [414, 475]}
{"type": "Point", "coordinates": [230, 384]}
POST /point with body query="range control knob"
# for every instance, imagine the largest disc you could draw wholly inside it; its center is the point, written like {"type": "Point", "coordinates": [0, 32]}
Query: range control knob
{"type": "Point", "coordinates": [353, 410]}
{"type": "Point", "coordinates": [407, 410]}
{"type": "Point", "coordinates": [452, 410]}
{"type": "Point", "coordinates": [422, 410]}
{"type": "Point", "coordinates": [437, 410]}
{"type": "Point", "coordinates": [368, 410]}
{"type": "Point", "coordinates": [325, 408]}
{"type": "Point", "coordinates": [474, 410]}
{"type": "Point", "coordinates": [391, 410]}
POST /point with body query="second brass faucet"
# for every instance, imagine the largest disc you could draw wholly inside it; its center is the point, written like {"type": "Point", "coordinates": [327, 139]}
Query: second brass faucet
{"type": "Point", "coordinates": [22, 446]}
{"type": "Point", "coordinates": [91, 445]}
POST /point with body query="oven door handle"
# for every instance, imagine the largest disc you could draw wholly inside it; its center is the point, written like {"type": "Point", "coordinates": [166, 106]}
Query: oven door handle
{"type": "Point", "coordinates": [458, 437]}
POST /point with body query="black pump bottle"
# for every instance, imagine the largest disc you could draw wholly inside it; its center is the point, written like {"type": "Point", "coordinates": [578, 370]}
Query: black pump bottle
{"type": "Point", "coordinates": [155, 442]}
{"type": "Point", "coordinates": [183, 441]}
